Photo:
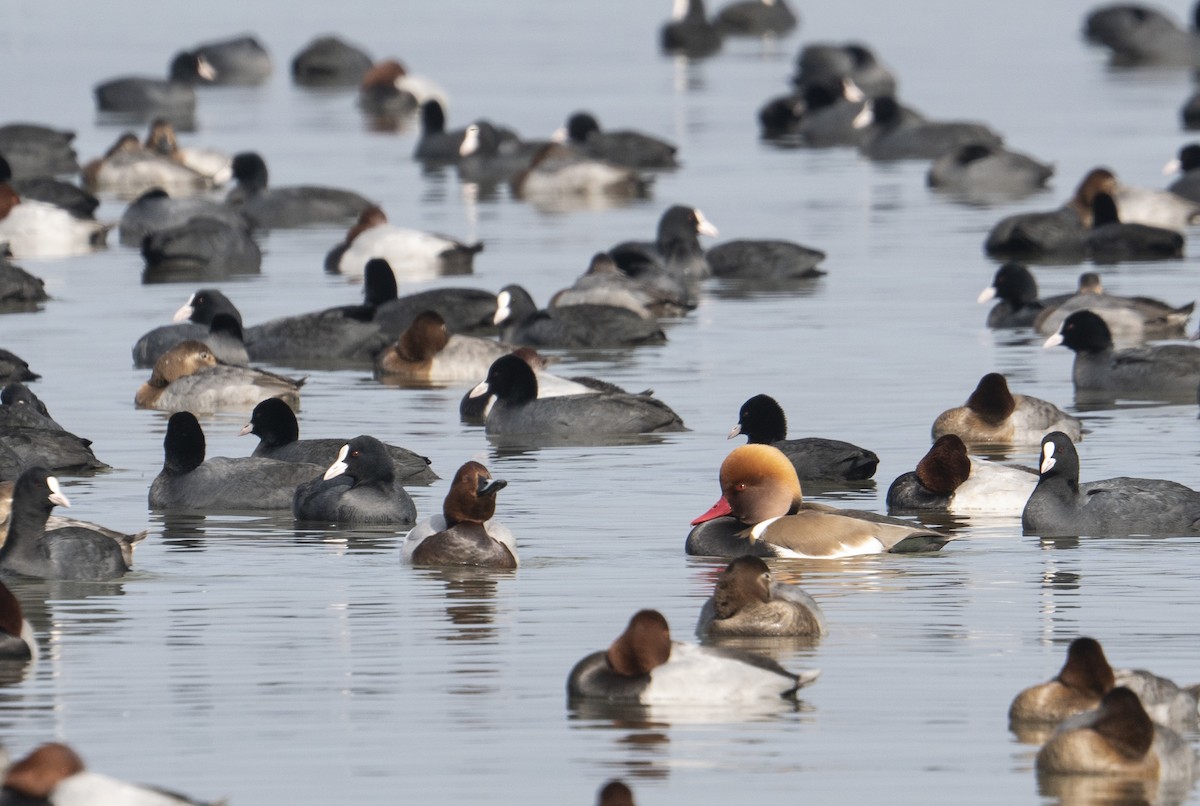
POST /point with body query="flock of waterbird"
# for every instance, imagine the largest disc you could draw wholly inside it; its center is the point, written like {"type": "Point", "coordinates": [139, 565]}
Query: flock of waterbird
{"type": "Point", "coordinates": [1089, 719]}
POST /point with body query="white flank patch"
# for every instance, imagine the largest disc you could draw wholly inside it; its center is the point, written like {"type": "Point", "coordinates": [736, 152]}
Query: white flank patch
{"type": "Point", "coordinates": [694, 674]}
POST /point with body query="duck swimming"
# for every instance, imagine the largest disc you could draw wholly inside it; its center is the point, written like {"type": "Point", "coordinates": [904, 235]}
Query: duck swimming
{"type": "Point", "coordinates": [948, 479]}
{"type": "Point", "coordinates": [1117, 738]}
{"type": "Point", "coordinates": [466, 533]}
{"type": "Point", "coordinates": [747, 601]}
{"type": "Point", "coordinates": [1086, 677]}
{"type": "Point", "coordinates": [994, 415]}
{"type": "Point", "coordinates": [427, 352]}
{"type": "Point", "coordinates": [761, 492]}
{"type": "Point", "coordinates": [188, 377]}
{"type": "Point", "coordinates": [645, 667]}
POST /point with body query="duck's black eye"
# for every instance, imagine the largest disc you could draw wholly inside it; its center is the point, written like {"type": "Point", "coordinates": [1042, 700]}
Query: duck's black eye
{"type": "Point", "coordinates": [354, 454]}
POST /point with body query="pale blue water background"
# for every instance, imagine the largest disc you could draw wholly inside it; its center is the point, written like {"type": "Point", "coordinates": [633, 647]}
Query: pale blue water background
{"type": "Point", "coordinates": [248, 659]}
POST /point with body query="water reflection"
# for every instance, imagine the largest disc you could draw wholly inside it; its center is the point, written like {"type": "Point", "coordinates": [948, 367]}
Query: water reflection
{"type": "Point", "coordinates": [506, 445]}
{"type": "Point", "coordinates": [187, 530]}
{"type": "Point", "coordinates": [183, 121]}
{"type": "Point", "coordinates": [745, 289]}
{"type": "Point", "coordinates": [198, 270]}
{"type": "Point", "coordinates": [470, 600]}
{"type": "Point", "coordinates": [591, 714]}
{"type": "Point", "coordinates": [1111, 790]}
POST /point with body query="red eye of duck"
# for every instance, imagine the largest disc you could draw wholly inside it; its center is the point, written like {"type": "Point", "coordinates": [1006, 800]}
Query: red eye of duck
{"type": "Point", "coordinates": [354, 454]}
{"type": "Point", "coordinates": [741, 485]}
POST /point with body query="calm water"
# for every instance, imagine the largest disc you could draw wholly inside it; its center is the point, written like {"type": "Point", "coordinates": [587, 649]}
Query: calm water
{"type": "Point", "coordinates": [247, 658]}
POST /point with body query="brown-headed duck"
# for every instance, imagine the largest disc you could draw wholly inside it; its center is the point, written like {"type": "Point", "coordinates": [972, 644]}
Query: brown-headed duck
{"type": "Point", "coordinates": [1117, 738]}
{"type": "Point", "coordinates": [768, 517]}
{"type": "Point", "coordinates": [466, 533]}
{"type": "Point", "coordinates": [188, 377]}
{"type": "Point", "coordinates": [948, 479]}
{"type": "Point", "coordinates": [413, 254]}
{"type": "Point", "coordinates": [645, 667]}
{"type": "Point", "coordinates": [615, 793]}
{"type": "Point", "coordinates": [427, 353]}
{"type": "Point", "coordinates": [748, 601]}
{"type": "Point", "coordinates": [17, 641]}
{"type": "Point", "coordinates": [216, 166]}
{"type": "Point", "coordinates": [1086, 677]}
{"type": "Point", "coordinates": [54, 773]}
{"type": "Point", "coordinates": [388, 91]}
{"type": "Point", "coordinates": [37, 229]}
{"type": "Point", "coordinates": [1134, 205]}
{"type": "Point", "coordinates": [995, 416]}
{"type": "Point", "coordinates": [1063, 234]}
{"type": "Point", "coordinates": [128, 169]}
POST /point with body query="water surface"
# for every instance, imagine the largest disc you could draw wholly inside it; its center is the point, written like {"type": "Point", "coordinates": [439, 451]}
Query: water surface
{"type": "Point", "coordinates": [248, 658]}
